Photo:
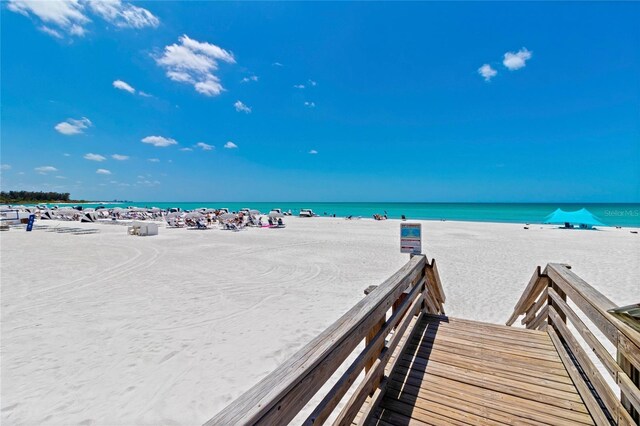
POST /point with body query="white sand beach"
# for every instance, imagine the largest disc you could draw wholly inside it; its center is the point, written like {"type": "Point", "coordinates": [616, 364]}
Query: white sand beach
{"type": "Point", "coordinates": [110, 329]}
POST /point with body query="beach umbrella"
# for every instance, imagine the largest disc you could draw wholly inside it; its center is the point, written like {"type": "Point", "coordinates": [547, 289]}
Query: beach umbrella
{"type": "Point", "coordinates": [174, 214]}
{"type": "Point", "coordinates": [275, 215]}
{"type": "Point", "coordinates": [227, 216]}
{"type": "Point", "coordinates": [194, 215]}
{"type": "Point", "coordinates": [255, 212]}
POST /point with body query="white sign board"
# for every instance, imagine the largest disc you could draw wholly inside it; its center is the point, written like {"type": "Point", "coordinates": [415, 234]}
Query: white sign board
{"type": "Point", "coordinates": [411, 238]}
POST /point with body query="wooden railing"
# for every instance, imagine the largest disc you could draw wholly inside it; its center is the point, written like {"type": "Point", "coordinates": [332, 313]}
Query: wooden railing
{"type": "Point", "coordinates": [544, 305]}
{"type": "Point", "coordinates": [409, 293]}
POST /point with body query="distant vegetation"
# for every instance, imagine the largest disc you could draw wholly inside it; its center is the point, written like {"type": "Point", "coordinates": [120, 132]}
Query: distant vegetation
{"type": "Point", "coordinates": [33, 197]}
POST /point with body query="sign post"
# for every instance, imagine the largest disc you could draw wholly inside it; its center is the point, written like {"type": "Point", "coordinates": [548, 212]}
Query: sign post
{"type": "Point", "coordinates": [411, 238]}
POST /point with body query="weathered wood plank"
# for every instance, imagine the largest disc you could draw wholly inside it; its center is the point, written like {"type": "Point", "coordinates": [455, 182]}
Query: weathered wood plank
{"type": "Point", "coordinates": [594, 408]}
{"type": "Point", "coordinates": [504, 371]}
{"type": "Point", "coordinates": [515, 387]}
{"type": "Point", "coordinates": [630, 390]}
{"type": "Point", "coordinates": [371, 379]}
{"type": "Point", "coordinates": [390, 367]}
{"type": "Point", "coordinates": [529, 295]}
{"type": "Point", "coordinates": [522, 405]}
{"type": "Point", "coordinates": [280, 395]}
{"type": "Point", "coordinates": [517, 408]}
{"type": "Point", "coordinates": [484, 353]}
{"type": "Point", "coordinates": [504, 347]}
{"type": "Point", "coordinates": [594, 304]}
{"type": "Point", "coordinates": [531, 312]}
{"type": "Point", "coordinates": [497, 338]}
{"type": "Point", "coordinates": [422, 410]}
{"type": "Point", "coordinates": [484, 326]}
{"type": "Point", "coordinates": [434, 275]}
{"type": "Point", "coordinates": [605, 393]}
{"type": "Point", "coordinates": [630, 351]}
{"type": "Point", "coordinates": [540, 318]}
{"type": "Point", "coordinates": [340, 388]}
{"type": "Point", "coordinates": [603, 355]}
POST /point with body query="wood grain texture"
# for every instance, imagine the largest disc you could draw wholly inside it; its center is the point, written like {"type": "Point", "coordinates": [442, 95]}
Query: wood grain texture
{"type": "Point", "coordinates": [446, 376]}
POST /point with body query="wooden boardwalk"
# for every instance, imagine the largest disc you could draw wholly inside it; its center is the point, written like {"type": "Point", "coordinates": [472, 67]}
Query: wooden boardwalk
{"type": "Point", "coordinates": [420, 367]}
{"type": "Point", "coordinates": [458, 372]}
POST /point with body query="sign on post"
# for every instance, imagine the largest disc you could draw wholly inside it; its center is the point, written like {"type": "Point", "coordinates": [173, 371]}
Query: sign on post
{"type": "Point", "coordinates": [411, 238]}
{"type": "Point", "coordinates": [32, 217]}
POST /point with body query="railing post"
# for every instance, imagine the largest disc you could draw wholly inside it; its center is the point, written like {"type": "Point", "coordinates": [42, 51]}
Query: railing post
{"type": "Point", "coordinates": [634, 375]}
{"type": "Point", "coordinates": [562, 295]}
{"type": "Point", "coordinates": [372, 334]}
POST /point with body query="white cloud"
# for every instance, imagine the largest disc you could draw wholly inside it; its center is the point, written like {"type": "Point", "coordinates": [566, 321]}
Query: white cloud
{"type": "Point", "coordinates": [299, 86]}
{"type": "Point", "coordinates": [45, 169]}
{"type": "Point", "coordinates": [119, 84]}
{"type": "Point", "coordinates": [51, 32]}
{"type": "Point", "coordinates": [72, 126]}
{"type": "Point", "coordinates": [195, 63]}
{"type": "Point", "coordinates": [124, 15]}
{"type": "Point", "coordinates": [94, 157]}
{"type": "Point", "coordinates": [313, 83]}
{"type": "Point", "coordinates": [120, 157]}
{"type": "Point", "coordinates": [67, 15]}
{"type": "Point", "coordinates": [66, 155]}
{"type": "Point", "coordinates": [313, 152]}
{"type": "Point", "coordinates": [148, 182]}
{"type": "Point", "coordinates": [310, 104]}
{"type": "Point", "coordinates": [103, 172]}
{"type": "Point", "coordinates": [250, 78]}
{"type": "Point", "coordinates": [154, 160]}
{"type": "Point", "coordinates": [487, 72]}
{"type": "Point", "coordinates": [277, 64]}
{"type": "Point", "coordinates": [515, 61]}
{"type": "Point", "coordinates": [5, 167]}
{"type": "Point", "coordinates": [205, 146]}
{"type": "Point", "coordinates": [72, 16]}
{"type": "Point", "coordinates": [159, 141]}
{"type": "Point", "coordinates": [144, 94]}
{"type": "Point", "coordinates": [60, 177]}
{"type": "Point", "coordinates": [230, 145]}
{"type": "Point", "coordinates": [241, 107]}
{"type": "Point", "coordinates": [186, 149]}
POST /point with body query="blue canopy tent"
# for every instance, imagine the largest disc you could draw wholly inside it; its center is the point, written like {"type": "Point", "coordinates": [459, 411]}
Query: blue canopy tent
{"type": "Point", "coordinates": [583, 218]}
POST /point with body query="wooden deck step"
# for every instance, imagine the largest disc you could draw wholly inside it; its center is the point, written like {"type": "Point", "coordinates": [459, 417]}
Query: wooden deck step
{"type": "Point", "coordinates": [460, 372]}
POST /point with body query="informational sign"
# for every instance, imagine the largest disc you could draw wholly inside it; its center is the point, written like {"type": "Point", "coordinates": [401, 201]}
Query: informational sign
{"type": "Point", "coordinates": [32, 218]}
{"type": "Point", "coordinates": [411, 238]}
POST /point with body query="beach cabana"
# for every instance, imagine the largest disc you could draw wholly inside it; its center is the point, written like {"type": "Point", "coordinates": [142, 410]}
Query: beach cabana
{"type": "Point", "coordinates": [583, 218]}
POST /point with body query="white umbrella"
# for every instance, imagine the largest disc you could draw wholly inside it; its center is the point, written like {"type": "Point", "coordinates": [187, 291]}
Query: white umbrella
{"type": "Point", "coordinates": [194, 215]}
{"type": "Point", "coordinates": [228, 216]}
{"type": "Point", "coordinates": [275, 214]}
{"type": "Point", "coordinates": [254, 212]}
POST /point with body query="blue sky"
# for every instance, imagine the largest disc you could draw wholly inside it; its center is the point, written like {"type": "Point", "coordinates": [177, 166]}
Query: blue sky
{"type": "Point", "coordinates": [496, 101]}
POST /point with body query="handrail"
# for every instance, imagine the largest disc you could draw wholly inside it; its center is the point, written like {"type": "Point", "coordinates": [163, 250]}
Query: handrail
{"type": "Point", "coordinates": [544, 306]}
{"type": "Point", "coordinates": [278, 398]}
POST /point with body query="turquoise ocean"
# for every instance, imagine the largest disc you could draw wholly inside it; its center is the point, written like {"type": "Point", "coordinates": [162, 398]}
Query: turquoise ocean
{"type": "Point", "coordinates": [627, 215]}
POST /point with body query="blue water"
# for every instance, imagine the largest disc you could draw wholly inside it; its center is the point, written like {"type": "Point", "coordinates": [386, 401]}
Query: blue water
{"type": "Point", "coordinates": [627, 215]}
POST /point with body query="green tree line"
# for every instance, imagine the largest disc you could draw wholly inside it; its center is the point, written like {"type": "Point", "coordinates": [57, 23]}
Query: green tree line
{"type": "Point", "coordinates": [12, 197]}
